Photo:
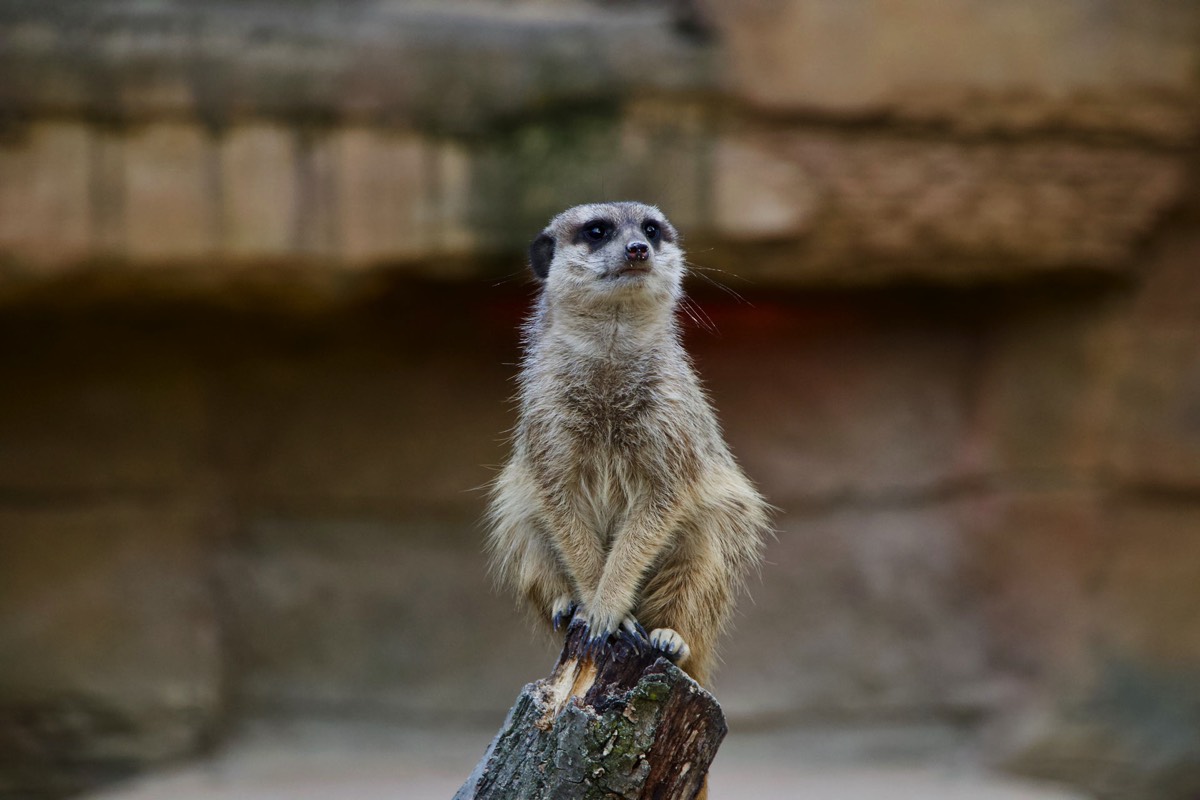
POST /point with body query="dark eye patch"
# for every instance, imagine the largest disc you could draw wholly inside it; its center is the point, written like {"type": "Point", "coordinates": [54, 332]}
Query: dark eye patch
{"type": "Point", "coordinates": [595, 232]}
{"type": "Point", "coordinates": [652, 230]}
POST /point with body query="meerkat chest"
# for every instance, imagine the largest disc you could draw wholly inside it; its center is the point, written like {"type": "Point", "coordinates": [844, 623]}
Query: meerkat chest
{"type": "Point", "coordinates": [597, 419]}
{"type": "Point", "coordinates": [611, 410]}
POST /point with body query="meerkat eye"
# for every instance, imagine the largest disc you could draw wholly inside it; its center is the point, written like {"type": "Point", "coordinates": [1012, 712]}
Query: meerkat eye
{"type": "Point", "coordinates": [650, 228]}
{"type": "Point", "coordinates": [595, 231]}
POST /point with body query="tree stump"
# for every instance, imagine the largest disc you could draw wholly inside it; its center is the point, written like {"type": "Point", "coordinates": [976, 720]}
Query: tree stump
{"type": "Point", "coordinates": [626, 723]}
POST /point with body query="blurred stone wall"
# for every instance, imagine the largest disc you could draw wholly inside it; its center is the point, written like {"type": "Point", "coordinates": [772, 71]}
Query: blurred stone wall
{"type": "Point", "coordinates": [260, 274]}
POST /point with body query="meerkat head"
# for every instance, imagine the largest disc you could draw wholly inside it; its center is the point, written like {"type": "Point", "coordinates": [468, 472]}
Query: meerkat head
{"type": "Point", "coordinates": [602, 253]}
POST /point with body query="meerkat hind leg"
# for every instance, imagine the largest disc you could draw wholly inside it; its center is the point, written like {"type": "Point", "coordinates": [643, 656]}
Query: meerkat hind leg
{"type": "Point", "coordinates": [670, 643]}
{"type": "Point", "coordinates": [538, 578]}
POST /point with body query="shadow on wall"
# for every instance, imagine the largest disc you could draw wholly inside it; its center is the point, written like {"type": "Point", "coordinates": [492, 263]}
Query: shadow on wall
{"type": "Point", "coordinates": [215, 515]}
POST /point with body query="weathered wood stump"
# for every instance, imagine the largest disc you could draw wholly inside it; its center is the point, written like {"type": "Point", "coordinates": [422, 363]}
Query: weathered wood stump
{"type": "Point", "coordinates": [625, 724]}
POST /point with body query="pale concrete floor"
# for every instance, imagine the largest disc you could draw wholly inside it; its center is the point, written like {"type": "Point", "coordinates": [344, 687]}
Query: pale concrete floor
{"type": "Point", "coordinates": [324, 762]}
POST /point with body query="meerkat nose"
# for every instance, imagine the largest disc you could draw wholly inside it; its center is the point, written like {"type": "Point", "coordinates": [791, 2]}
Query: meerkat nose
{"type": "Point", "coordinates": [637, 251]}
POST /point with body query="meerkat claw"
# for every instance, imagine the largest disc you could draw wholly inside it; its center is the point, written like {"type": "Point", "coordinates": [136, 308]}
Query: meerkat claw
{"type": "Point", "coordinates": [670, 643]}
{"type": "Point", "coordinates": [562, 611]}
{"type": "Point", "coordinates": [634, 628]}
{"type": "Point", "coordinates": [595, 643]}
{"type": "Point", "coordinates": [597, 633]}
{"type": "Point", "coordinates": [632, 632]}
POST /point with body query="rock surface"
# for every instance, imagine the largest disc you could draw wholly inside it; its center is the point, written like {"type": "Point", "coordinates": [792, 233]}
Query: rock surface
{"type": "Point", "coordinates": [371, 135]}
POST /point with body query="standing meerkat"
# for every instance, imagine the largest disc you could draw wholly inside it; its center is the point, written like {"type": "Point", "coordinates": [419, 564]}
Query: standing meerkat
{"type": "Point", "coordinates": [621, 502]}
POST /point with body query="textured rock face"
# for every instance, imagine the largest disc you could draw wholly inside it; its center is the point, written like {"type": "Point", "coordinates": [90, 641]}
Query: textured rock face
{"type": "Point", "coordinates": [399, 134]}
{"type": "Point", "coordinates": [1118, 68]}
{"type": "Point", "coordinates": [874, 608]}
{"type": "Point", "coordinates": [260, 274]}
{"type": "Point", "coordinates": [109, 653]}
{"type": "Point", "coordinates": [961, 212]}
{"type": "Point", "coordinates": [817, 207]}
{"type": "Point", "coordinates": [377, 618]}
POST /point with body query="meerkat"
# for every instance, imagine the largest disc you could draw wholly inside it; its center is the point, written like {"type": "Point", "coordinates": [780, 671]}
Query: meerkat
{"type": "Point", "coordinates": [621, 502]}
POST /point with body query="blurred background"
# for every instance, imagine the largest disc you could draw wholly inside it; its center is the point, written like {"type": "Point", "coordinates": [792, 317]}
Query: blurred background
{"type": "Point", "coordinates": [261, 270]}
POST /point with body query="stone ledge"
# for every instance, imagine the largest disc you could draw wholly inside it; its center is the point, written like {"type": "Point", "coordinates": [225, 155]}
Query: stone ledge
{"type": "Point", "coordinates": [858, 206]}
{"type": "Point", "coordinates": [972, 66]}
{"type": "Point", "coordinates": [457, 66]}
{"type": "Point", "coordinates": [1125, 68]}
{"type": "Point", "coordinates": [795, 205]}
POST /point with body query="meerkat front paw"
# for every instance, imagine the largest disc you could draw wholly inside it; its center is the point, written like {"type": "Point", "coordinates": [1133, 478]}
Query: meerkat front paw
{"type": "Point", "coordinates": [670, 643]}
{"type": "Point", "coordinates": [602, 626]}
{"type": "Point", "coordinates": [599, 627]}
{"type": "Point", "coordinates": [562, 610]}
{"type": "Point", "coordinates": [634, 628]}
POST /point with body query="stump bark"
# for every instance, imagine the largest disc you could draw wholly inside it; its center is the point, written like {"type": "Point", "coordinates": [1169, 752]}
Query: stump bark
{"type": "Point", "coordinates": [626, 723]}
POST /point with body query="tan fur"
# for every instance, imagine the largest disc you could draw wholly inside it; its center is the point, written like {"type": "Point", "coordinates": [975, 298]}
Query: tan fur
{"type": "Point", "coordinates": [621, 494]}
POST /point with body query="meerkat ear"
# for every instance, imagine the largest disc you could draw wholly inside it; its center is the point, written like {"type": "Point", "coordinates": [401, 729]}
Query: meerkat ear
{"type": "Point", "coordinates": [541, 253]}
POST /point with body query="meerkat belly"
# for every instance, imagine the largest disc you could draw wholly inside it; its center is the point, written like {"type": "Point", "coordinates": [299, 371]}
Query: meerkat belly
{"type": "Point", "coordinates": [599, 497]}
{"type": "Point", "coordinates": [615, 474]}
{"type": "Point", "coordinates": [609, 486]}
